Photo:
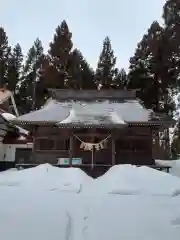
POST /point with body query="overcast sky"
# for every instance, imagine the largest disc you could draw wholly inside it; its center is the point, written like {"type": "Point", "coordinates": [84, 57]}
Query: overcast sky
{"type": "Point", "coordinates": [124, 21]}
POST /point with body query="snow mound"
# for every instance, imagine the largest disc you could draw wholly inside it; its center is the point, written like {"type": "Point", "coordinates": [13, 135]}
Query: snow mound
{"type": "Point", "coordinates": [174, 164]}
{"type": "Point", "coordinates": [43, 204]}
{"type": "Point", "coordinates": [132, 180]}
{"type": "Point", "coordinates": [47, 177]}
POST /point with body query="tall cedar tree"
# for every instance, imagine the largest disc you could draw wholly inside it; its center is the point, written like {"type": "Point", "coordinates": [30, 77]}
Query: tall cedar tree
{"type": "Point", "coordinates": [14, 75]}
{"type": "Point", "coordinates": [171, 15]}
{"type": "Point", "coordinates": [31, 76]}
{"type": "Point", "coordinates": [74, 70]}
{"type": "Point", "coordinates": [175, 146]}
{"type": "Point", "coordinates": [15, 64]}
{"type": "Point", "coordinates": [87, 75]}
{"type": "Point", "coordinates": [121, 79]}
{"type": "Point", "coordinates": [106, 70]}
{"type": "Point", "coordinates": [81, 76]}
{"type": "Point", "coordinates": [4, 57]}
{"type": "Point", "coordinates": [149, 71]}
{"type": "Point", "coordinates": [56, 71]}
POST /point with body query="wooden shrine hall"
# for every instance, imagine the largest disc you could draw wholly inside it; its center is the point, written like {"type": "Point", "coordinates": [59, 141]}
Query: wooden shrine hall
{"type": "Point", "coordinates": [95, 130]}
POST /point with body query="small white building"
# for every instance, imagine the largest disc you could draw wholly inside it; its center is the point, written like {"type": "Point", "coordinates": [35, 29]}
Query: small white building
{"type": "Point", "coordinates": [15, 142]}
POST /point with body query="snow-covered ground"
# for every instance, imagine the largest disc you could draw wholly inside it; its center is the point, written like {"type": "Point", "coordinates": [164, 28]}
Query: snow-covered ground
{"type": "Point", "coordinates": [125, 203]}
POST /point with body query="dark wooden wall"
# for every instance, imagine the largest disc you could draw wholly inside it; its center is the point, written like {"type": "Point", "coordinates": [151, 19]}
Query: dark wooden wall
{"type": "Point", "coordinates": [133, 145]}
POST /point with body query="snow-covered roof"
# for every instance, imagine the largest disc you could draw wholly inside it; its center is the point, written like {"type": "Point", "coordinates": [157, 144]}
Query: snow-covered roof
{"type": "Point", "coordinates": [4, 95]}
{"type": "Point", "coordinates": [85, 113]}
{"type": "Point", "coordinates": [90, 117]}
{"type": "Point", "coordinates": [9, 117]}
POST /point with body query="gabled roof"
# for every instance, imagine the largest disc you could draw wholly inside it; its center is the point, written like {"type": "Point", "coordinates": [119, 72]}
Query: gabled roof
{"type": "Point", "coordinates": [8, 117]}
{"type": "Point", "coordinates": [82, 113]}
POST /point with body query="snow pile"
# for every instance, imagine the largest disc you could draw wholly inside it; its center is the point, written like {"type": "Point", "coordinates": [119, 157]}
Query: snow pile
{"type": "Point", "coordinates": [174, 164]}
{"type": "Point", "coordinates": [132, 180]}
{"type": "Point", "coordinates": [157, 182]}
{"type": "Point", "coordinates": [47, 177]}
{"type": "Point", "coordinates": [46, 202]}
{"type": "Point", "coordinates": [116, 180]}
{"type": "Point", "coordinates": [38, 203]}
{"type": "Point", "coordinates": [134, 203]}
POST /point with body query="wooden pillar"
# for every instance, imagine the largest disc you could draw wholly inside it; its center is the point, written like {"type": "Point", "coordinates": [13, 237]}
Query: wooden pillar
{"type": "Point", "coordinates": [34, 144]}
{"type": "Point", "coordinates": [92, 157]}
{"type": "Point", "coordinates": [113, 152]}
{"type": "Point", "coordinates": [71, 149]}
{"type": "Point", "coordinates": [167, 143]}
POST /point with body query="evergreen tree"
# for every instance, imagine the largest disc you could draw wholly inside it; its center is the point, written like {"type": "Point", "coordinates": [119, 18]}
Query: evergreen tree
{"type": "Point", "coordinates": [74, 70]}
{"type": "Point", "coordinates": [81, 76]}
{"type": "Point", "coordinates": [106, 70]}
{"type": "Point", "coordinates": [56, 72]}
{"type": "Point", "coordinates": [171, 15]}
{"type": "Point", "coordinates": [15, 62]}
{"type": "Point", "coordinates": [27, 92]}
{"type": "Point", "coordinates": [149, 71]}
{"type": "Point", "coordinates": [87, 76]}
{"type": "Point", "coordinates": [4, 57]}
{"type": "Point", "coordinates": [175, 146]}
{"type": "Point", "coordinates": [121, 79]}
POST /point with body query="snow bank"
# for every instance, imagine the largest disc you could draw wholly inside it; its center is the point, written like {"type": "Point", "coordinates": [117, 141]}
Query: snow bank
{"type": "Point", "coordinates": [34, 203]}
{"type": "Point", "coordinates": [132, 180]}
{"type": "Point", "coordinates": [46, 202]}
{"type": "Point", "coordinates": [174, 164]}
{"type": "Point", "coordinates": [47, 177]}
